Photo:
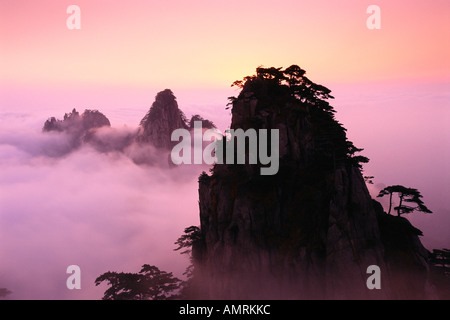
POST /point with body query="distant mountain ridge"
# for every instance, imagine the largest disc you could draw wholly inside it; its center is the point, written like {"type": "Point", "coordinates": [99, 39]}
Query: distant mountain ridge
{"type": "Point", "coordinates": [308, 232]}
{"type": "Point", "coordinates": [154, 129]}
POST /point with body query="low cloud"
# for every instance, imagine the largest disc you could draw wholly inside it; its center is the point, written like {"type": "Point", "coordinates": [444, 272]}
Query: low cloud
{"type": "Point", "coordinates": [99, 210]}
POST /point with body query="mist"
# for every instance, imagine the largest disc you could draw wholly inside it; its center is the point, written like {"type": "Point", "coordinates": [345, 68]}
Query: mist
{"type": "Point", "coordinates": [98, 210]}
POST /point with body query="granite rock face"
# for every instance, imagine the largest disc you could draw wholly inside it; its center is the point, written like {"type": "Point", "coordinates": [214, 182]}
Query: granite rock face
{"type": "Point", "coordinates": [77, 128]}
{"type": "Point", "coordinates": [310, 231]}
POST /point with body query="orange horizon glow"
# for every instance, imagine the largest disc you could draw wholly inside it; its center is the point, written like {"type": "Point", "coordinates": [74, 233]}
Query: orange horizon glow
{"type": "Point", "coordinates": [211, 44]}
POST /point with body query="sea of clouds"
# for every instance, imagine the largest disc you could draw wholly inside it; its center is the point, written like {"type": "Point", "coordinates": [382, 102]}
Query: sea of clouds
{"type": "Point", "coordinates": [103, 212]}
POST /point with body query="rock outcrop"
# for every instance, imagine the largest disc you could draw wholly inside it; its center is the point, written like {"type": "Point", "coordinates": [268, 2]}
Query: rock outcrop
{"type": "Point", "coordinates": [154, 131]}
{"type": "Point", "coordinates": [310, 231]}
{"type": "Point", "coordinates": [407, 260]}
{"type": "Point", "coordinates": [74, 123]}
{"type": "Point", "coordinates": [78, 128]}
{"type": "Point", "coordinates": [161, 120]}
{"type": "Point", "coordinates": [206, 124]}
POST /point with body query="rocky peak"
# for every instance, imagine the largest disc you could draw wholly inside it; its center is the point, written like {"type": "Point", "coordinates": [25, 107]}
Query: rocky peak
{"type": "Point", "coordinates": [77, 127]}
{"type": "Point", "coordinates": [161, 120]}
{"type": "Point", "coordinates": [206, 124]}
{"type": "Point", "coordinates": [78, 124]}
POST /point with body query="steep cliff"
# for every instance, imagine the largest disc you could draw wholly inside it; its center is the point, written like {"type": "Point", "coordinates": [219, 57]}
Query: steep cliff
{"type": "Point", "coordinates": [206, 124]}
{"type": "Point", "coordinates": [311, 230]}
{"type": "Point", "coordinates": [161, 120]}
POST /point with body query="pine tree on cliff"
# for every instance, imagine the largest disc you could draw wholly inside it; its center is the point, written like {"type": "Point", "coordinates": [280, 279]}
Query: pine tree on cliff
{"type": "Point", "coordinates": [275, 87]}
{"type": "Point", "coordinates": [409, 199]}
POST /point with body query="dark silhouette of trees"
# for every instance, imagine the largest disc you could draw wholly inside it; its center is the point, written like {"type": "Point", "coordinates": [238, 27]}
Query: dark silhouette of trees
{"type": "Point", "coordinates": [186, 242]}
{"type": "Point", "coordinates": [368, 179]}
{"type": "Point", "coordinates": [149, 284]}
{"type": "Point", "coordinates": [356, 160]}
{"type": "Point", "coordinates": [75, 123]}
{"type": "Point", "coordinates": [206, 124]}
{"type": "Point", "coordinates": [441, 259]}
{"type": "Point", "coordinates": [409, 199]}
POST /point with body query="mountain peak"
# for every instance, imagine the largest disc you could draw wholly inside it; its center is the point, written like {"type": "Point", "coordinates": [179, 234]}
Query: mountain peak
{"type": "Point", "coordinates": [161, 120]}
{"type": "Point", "coordinates": [308, 231]}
